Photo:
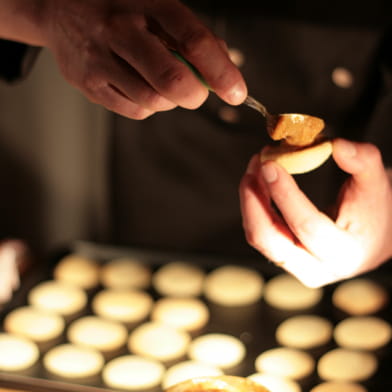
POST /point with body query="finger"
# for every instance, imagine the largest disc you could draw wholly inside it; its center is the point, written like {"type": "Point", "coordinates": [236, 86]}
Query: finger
{"type": "Point", "coordinates": [268, 234]}
{"type": "Point", "coordinates": [255, 204]}
{"type": "Point", "coordinates": [316, 231]}
{"type": "Point", "coordinates": [108, 80]}
{"type": "Point", "coordinates": [262, 225]}
{"type": "Point", "coordinates": [105, 83]}
{"type": "Point", "coordinates": [112, 99]}
{"type": "Point", "coordinates": [362, 160]}
{"type": "Point", "coordinates": [148, 55]}
{"type": "Point", "coordinates": [8, 274]}
{"type": "Point", "coordinates": [134, 87]}
{"type": "Point", "coordinates": [15, 280]}
{"type": "Point", "coordinates": [202, 49]}
{"type": "Point", "coordinates": [5, 293]}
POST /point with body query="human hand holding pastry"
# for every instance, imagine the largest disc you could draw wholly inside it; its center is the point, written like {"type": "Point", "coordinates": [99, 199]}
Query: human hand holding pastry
{"type": "Point", "coordinates": [314, 247]}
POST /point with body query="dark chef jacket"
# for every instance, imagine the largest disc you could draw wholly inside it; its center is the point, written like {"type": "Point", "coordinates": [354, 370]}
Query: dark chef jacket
{"type": "Point", "coordinates": [173, 178]}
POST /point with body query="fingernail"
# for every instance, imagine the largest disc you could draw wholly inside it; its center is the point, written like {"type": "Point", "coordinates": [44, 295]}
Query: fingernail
{"type": "Point", "coordinates": [347, 148]}
{"type": "Point", "coordinates": [237, 94]}
{"type": "Point", "coordinates": [251, 169]}
{"type": "Point", "coordinates": [269, 173]}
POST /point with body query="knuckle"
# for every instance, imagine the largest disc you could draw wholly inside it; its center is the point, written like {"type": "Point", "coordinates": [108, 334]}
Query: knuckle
{"type": "Point", "coordinates": [135, 20]}
{"type": "Point", "coordinates": [251, 239]}
{"type": "Point", "coordinates": [124, 107]}
{"type": "Point", "coordinates": [195, 42]}
{"type": "Point", "coordinates": [102, 25]}
{"type": "Point", "coordinates": [255, 240]}
{"type": "Point", "coordinates": [114, 21]}
{"type": "Point", "coordinates": [92, 82]}
{"type": "Point", "coordinates": [128, 108]}
{"type": "Point", "coordinates": [90, 52]}
{"type": "Point", "coordinates": [227, 77]}
{"type": "Point", "coordinates": [91, 76]}
{"type": "Point", "coordinates": [139, 113]}
{"type": "Point", "coordinates": [152, 100]}
{"type": "Point", "coordinates": [98, 21]}
{"type": "Point", "coordinates": [169, 77]}
{"type": "Point", "coordinates": [306, 225]}
{"type": "Point", "coordinates": [117, 28]}
{"type": "Point", "coordinates": [97, 95]}
{"type": "Point", "coordinates": [373, 153]}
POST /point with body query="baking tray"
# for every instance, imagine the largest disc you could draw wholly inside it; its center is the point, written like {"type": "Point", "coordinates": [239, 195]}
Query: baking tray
{"type": "Point", "coordinates": [255, 324]}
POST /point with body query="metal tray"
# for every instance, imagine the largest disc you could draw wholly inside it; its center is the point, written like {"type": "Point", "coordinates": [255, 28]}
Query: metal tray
{"type": "Point", "coordinates": [255, 325]}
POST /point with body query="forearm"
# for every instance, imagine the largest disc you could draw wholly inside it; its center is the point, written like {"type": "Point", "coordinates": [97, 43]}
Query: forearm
{"type": "Point", "coordinates": [23, 21]}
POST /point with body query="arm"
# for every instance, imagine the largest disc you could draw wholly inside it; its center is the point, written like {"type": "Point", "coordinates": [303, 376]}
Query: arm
{"type": "Point", "coordinates": [307, 243]}
{"type": "Point", "coordinates": [116, 52]}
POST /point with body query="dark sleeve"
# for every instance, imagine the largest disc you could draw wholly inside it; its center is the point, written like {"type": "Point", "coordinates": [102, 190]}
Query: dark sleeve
{"type": "Point", "coordinates": [15, 59]}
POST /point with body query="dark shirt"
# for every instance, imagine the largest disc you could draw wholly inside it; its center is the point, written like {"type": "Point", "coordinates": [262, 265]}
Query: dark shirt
{"type": "Point", "coordinates": [12, 55]}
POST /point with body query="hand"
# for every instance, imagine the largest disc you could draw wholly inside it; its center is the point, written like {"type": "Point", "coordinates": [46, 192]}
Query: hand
{"type": "Point", "coordinates": [15, 260]}
{"type": "Point", "coordinates": [9, 274]}
{"type": "Point", "coordinates": [307, 243]}
{"type": "Point", "coordinates": [116, 53]}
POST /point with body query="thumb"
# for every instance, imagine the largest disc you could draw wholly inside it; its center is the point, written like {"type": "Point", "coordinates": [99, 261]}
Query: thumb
{"type": "Point", "coordinates": [362, 160]}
